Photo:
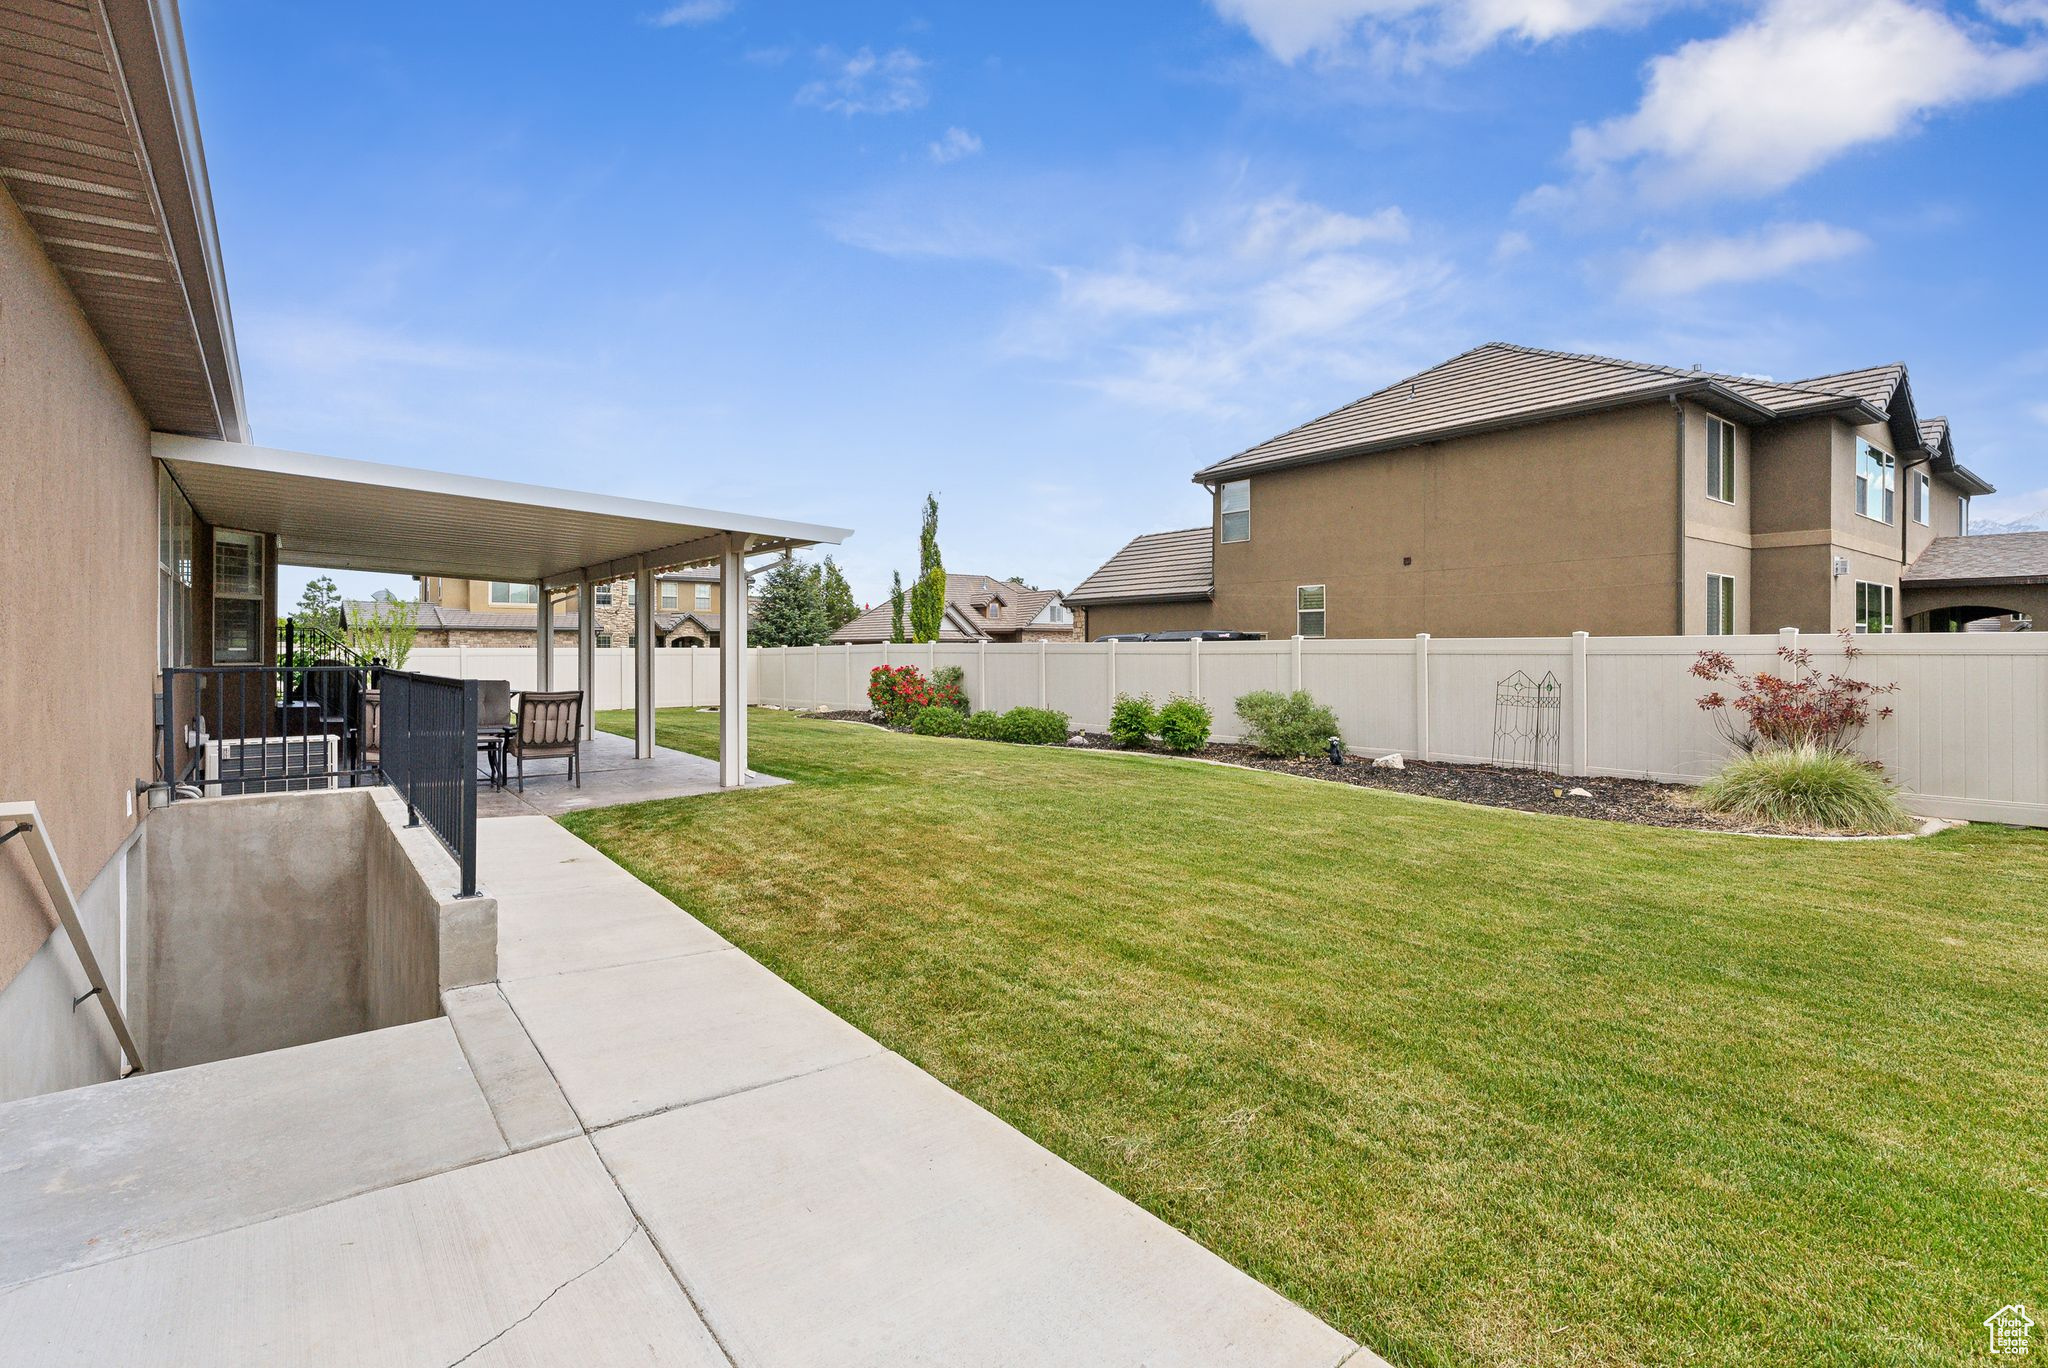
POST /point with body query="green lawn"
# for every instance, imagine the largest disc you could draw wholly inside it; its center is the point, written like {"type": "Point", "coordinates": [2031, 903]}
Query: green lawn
{"type": "Point", "coordinates": [1475, 1086]}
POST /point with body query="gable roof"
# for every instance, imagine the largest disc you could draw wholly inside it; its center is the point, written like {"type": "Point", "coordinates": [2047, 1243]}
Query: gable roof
{"type": "Point", "coordinates": [1501, 385]}
{"type": "Point", "coordinates": [1159, 567]}
{"type": "Point", "coordinates": [1995, 558]}
{"type": "Point", "coordinates": [968, 601]}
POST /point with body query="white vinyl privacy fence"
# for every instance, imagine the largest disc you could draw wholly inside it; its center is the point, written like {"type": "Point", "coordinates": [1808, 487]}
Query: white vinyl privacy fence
{"type": "Point", "coordinates": [1968, 738]}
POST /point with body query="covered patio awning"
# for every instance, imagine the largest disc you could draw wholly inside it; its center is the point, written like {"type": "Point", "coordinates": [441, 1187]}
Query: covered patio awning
{"type": "Point", "coordinates": [363, 515]}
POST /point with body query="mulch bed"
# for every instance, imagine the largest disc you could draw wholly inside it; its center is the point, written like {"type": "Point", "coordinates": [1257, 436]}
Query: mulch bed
{"type": "Point", "coordinates": [1642, 801]}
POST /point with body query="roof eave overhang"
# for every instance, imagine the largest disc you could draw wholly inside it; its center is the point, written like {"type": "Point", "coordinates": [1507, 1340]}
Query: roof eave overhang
{"type": "Point", "coordinates": [1710, 393]}
{"type": "Point", "coordinates": [1202, 596]}
{"type": "Point", "coordinates": [1973, 484]}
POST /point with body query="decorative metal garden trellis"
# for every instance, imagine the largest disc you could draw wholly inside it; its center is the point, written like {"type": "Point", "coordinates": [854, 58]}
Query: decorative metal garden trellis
{"type": "Point", "coordinates": [1526, 717]}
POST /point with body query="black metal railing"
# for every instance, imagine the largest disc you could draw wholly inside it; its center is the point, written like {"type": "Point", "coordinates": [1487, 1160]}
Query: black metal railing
{"type": "Point", "coordinates": [305, 641]}
{"type": "Point", "coordinates": [224, 730]}
{"type": "Point", "coordinates": [428, 735]}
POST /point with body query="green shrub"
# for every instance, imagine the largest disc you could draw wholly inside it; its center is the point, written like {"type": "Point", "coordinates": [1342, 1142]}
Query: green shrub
{"type": "Point", "coordinates": [983, 726]}
{"type": "Point", "coordinates": [1131, 720]}
{"type": "Point", "coordinates": [1034, 727]}
{"type": "Point", "coordinates": [949, 687]}
{"type": "Point", "coordinates": [939, 720]}
{"type": "Point", "coordinates": [1184, 725]}
{"type": "Point", "coordinates": [1286, 724]}
{"type": "Point", "coordinates": [1813, 787]}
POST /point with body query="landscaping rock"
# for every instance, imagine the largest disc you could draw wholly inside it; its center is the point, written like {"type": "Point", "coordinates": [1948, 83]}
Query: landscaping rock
{"type": "Point", "coordinates": [1390, 761]}
{"type": "Point", "coordinates": [1079, 739]}
{"type": "Point", "coordinates": [1577, 793]}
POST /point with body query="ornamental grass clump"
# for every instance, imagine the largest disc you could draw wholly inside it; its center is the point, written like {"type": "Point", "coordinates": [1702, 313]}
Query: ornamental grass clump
{"type": "Point", "coordinates": [1809, 787]}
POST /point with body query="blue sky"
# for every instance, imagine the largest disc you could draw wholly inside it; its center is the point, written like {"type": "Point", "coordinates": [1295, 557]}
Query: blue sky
{"type": "Point", "coordinates": [1047, 259]}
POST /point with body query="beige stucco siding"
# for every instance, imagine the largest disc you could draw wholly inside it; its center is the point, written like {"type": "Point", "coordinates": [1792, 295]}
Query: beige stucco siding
{"type": "Point", "coordinates": [1547, 529]}
{"type": "Point", "coordinates": [78, 623]}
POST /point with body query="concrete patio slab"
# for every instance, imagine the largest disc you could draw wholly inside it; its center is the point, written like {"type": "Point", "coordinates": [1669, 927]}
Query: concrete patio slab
{"type": "Point", "coordinates": [523, 1095]}
{"type": "Point", "coordinates": [97, 1173]}
{"type": "Point", "coordinates": [640, 1038]}
{"type": "Point", "coordinates": [612, 774]}
{"type": "Point", "coordinates": [867, 1216]}
{"type": "Point", "coordinates": [531, 1259]}
{"type": "Point", "coordinates": [562, 907]}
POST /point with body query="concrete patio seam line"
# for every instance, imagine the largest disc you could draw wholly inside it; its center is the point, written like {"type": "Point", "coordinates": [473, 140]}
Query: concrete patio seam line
{"type": "Point", "coordinates": [733, 1092]}
{"type": "Point", "coordinates": [470, 1060]}
{"type": "Point", "coordinates": [594, 968]}
{"type": "Point", "coordinates": [553, 1077]}
{"type": "Point", "coordinates": [654, 1242]}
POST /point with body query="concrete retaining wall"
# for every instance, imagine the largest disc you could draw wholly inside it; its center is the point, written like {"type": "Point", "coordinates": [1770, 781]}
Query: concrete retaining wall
{"type": "Point", "coordinates": [282, 919]}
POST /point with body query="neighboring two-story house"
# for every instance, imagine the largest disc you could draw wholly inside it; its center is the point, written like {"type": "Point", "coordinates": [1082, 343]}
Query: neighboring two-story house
{"type": "Point", "coordinates": [1517, 492]}
{"type": "Point", "coordinates": [456, 612]}
{"type": "Point", "coordinates": [978, 608]}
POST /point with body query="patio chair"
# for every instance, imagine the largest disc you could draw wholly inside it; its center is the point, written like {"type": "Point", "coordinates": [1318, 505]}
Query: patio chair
{"type": "Point", "coordinates": [546, 730]}
{"type": "Point", "coordinates": [493, 702]}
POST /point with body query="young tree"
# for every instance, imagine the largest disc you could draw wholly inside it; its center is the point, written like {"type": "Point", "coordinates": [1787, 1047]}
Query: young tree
{"type": "Point", "coordinates": [386, 632]}
{"type": "Point", "coordinates": [837, 594]}
{"type": "Point", "coordinates": [792, 612]}
{"type": "Point", "coordinates": [928, 595]}
{"type": "Point", "coordinates": [320, 605]}
{"type": "Point", "coordinates": [896, 607]}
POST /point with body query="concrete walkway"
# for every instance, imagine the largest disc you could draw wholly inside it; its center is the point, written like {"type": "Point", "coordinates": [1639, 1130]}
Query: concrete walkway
{"type": "Point", "coordinates": [638, 1147]}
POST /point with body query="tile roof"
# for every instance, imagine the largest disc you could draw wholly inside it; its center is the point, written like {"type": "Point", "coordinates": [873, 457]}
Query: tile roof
{"type": "Point", "coordinates": [1158, 566]}
{"type": "Point", "coordinates": [1875, 385]}
{"type": "Point", "coordinates": [2002, 557]}
{"type": "Point", "coordinates": [968, 599]}
{"type": "Point", "coordinates": [1501, 385]}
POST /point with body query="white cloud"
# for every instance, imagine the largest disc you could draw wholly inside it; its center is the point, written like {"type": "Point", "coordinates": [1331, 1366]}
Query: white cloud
{"type": "Point", "coordinates": [1798, 85]}
{"type": "Point", "coordinates": [1284, 226]}
{"type": "Point", "coordinates": [1511, 244]}
{"type": "Point", "coordinates": [1447, 29]}
{"type": "Point", "coordinates": [693, 12]}
{"type": "Point", "coordinates": [866, 84]}
{"type": "Point", "coordinates": [953, 145]}
{"type": "Point", "coordinates": [1686, 265]}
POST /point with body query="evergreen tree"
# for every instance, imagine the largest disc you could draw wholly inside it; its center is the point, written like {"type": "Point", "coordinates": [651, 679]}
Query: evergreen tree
{"type": "Point", "coordinates": [928, 595]}
{"type": "Point", "coordinates": [791, 613]}
{"type": "Point", "coordinates": [837, 594]}
{"type": "Point", "coordinates": [320, 605]}
{"type": "Point", "coordinates": [896, 608]}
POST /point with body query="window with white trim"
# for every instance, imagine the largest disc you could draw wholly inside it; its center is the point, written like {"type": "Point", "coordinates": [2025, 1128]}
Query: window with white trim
{"type": "Point", "coordinates": [1720, 460]}
{"type": "Point", "coordinates": [1237, 511]}
{"type": "Point", "coordinates": [1873, 607]}
{"type": "Point", "coordinates": [703, 598]}
{"type": "Point", "coordinates": [506, 595]}
{"type": "Point", "coordinates": [1720, 605]}
{"type": "Point", "coordinates": [1876, 481]}
{"type": "Point", "coordinates": [1923, 498]}
{"type": "Point", "coordinates": [1310, 610]}
{"type": "Point", "coordinates": [604, 640]}
{"type": "Point", "coordinates": [671, 596]}
{"type": "Point", "coordinates": [604, 594]}
{"type": "Point", "coordinates": [237, 598]}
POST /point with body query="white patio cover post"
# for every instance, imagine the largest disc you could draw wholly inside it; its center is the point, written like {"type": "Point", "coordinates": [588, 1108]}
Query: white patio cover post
{"type": "Point", "coordinates": [586, 649]}
{"type": "Point", "coordinates": [643, 661]}
{"type": "Point", "coordinates": [732, 662]}
{"type": "Point", "coordinates": [543, 639]}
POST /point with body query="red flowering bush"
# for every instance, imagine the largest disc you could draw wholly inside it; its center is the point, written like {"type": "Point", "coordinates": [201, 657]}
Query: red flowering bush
{"type": "Point", "coordinates": [1808, 708]}
{"type": "Point", "coordinates": [900, 692]}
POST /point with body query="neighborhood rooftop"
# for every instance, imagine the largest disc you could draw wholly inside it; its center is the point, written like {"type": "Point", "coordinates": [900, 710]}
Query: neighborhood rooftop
{"type": "Point", "coordinates": [1501, 385]}
{"type": "Point", "coordinates": [1159, 566]}
{"type": "Point", "coordinates": [2010, 558]}
{"type": "Point", "coordinates": [978, 608]}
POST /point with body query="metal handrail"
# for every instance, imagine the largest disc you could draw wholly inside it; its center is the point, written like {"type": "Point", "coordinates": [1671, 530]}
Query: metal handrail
{"type": "Point", "coordinates": [27, 821]}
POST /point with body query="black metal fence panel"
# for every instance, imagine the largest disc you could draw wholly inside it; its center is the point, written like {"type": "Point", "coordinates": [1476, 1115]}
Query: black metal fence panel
{"type": "Point", "coordinates": [226, 730]}
{"type": "Point", "coordinates": [427, 727]}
